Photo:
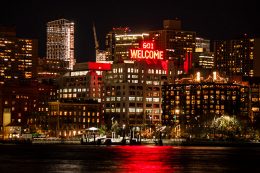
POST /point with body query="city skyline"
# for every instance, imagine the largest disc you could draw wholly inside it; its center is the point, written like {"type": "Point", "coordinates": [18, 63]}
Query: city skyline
{"type": "Point", "coordinates": [212, 20]}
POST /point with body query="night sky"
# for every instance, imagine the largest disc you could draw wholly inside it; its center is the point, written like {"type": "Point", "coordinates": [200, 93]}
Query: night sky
{"type": "Point", "coordinates": [211, 19]}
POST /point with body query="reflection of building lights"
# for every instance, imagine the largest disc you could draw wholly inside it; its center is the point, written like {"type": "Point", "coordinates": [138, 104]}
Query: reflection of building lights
{"type": "Point", "coordinates": [214, 76]}
{"type": "Point", "coordinates": [150, 124]}
{"type": "Point", "coordinates": [198, 77]}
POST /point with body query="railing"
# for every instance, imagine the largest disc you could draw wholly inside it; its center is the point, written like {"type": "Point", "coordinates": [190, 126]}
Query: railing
{"type": "Point", "coordinates": [55, 141]}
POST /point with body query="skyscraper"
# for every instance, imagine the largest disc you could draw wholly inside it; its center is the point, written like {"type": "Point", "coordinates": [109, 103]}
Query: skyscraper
{"type": "Point", "coordinates": [190, 104]}
{"type": "Point", "coordinates": [17, 56]}
{"type": "Point", "coordinates": [238, 56]}
{"type": "Point", "coordinates": [179, 45]}
{"type": "Point", "coordinates": [120, 40]}
{"type": "Point", "coordinates": [203, 58]}
{"type": "Point", "coordinates": [60, 41]}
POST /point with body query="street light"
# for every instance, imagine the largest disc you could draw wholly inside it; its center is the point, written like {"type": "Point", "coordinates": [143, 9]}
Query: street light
{"type": "Point", "coordinates": [150, 124]}
{"type": "Point", "coordinates": [123, 132]}
{"type": "Point", "coordinates": [93, 129]}
{"type": "Point", "coordinates": [113, 133]}
{"type": "Point", "coordinates": [112, 121]}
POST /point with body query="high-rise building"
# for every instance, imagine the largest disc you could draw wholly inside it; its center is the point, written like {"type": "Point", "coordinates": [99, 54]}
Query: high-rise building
{"type": "Point", "coordinates": [24, 104]}
{"type": "Point", "coordinates": [18, 56]}
{"type": "Point", "coordinates": [179, 45]}
{"type": "Point", "coordinates": [133, 92]}
{"type": "Point", "coordinates": [68, 118]}
{"type": "Point", "coordinates": [202, 45]}
{"type": "Point", "coordinates": [192, 103]}
{"type": "Point", "coordinates": [238, 57]}
{"type": "Point", "coordinates": [203, 58]}
{"type": "Point", "coordinates": [51, 68]}
{"type": "Point", "coordinates": [254, 104]}
{"type": "Point", "coordinates": [132, 89]}
{"type": "Point", "coordinates": [119, 41]}
{"type": "Point", "coordinates": [60, 42]}
{"type": "Point", "coordinates": [101, 55]}
{"type": "Point", "coordinates": [85, 82]}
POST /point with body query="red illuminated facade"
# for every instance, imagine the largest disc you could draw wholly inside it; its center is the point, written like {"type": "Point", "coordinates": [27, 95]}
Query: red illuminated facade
{"type": "Point", "coordinates": [179, 45]}
{"type": "Point", "coordinates": [187, 65]}
{"type": "Point", "coordinates": [98, 66]}
{"type": "Point", "coordinates": [84, 82]}
{"type": "Point", "coordinates": [120, 41]}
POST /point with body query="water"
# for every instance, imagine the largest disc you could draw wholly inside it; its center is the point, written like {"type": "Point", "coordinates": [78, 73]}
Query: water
{"type": "Point", "coordinates": [124, 159]}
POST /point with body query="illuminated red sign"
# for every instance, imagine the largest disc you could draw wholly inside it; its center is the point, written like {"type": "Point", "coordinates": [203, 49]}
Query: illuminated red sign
{"type": "Point", "coordinates": [147, 45]}
{"type": "Point", "coordinates": [146, 52]}
{"type": "Point", "coordinates": [99, 66]}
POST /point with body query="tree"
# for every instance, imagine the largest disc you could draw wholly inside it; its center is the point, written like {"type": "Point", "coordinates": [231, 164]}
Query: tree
{"type": "Point", "coordinates": [115, 127]}
{"type": "Point", "coordinates": [226, 125]}
{"type": "Point", "coordinates": [102, 130]}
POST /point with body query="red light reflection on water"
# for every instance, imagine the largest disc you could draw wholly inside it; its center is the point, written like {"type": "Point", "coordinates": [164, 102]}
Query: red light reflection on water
{"type": "Point", "coordinates": [145, 159]}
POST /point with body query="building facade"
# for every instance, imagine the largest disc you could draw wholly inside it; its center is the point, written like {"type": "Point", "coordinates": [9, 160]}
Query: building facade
{"type": "Point", "coordinates": [203, 58]}
{"type": "Point", "coordinates": [69, 118]}
{"type": "Point", "coordinates": [25, 103]}
{"type": "Point", "coordinates": [238, 57]}
{"type": "Point", "coordinates": [85, 82]}
{"type": "Point", "coordinates": [51, 68]}
{"type": "Point", "coordinates": [18, 56]}
{"type": "Point", "coordinates": [119, 41]}
{"type": "Point", "coordinates": [193, 102]}
{"type": "Point", "coordinates": [179, 45]}
{"type": "Point", "coordinates": [60, 42]}
{"type": "Point", "coordinates": [254, 102]}
{"type": "Point", "coordinates": [132, 92]}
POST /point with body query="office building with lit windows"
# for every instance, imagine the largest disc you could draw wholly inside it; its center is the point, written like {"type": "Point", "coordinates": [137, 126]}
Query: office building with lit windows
{"type": "Point", "coordinates": [203, 58]}
{"type": "Point", "coordinates": [132, 89]}
{"type": "Point", "coordinates": [238, 57]}
{"type": "Point", "coordinates": [51, 68]}
{"type": "Point", "coordinates": [67, 118]}
{"type": "Point", "coordinates": [179, 45]}
{"type": "Point", "coordinates": [60, 43]}
{"type": "Point", "coordinates": [191, 102]}
{"type": "Point", "coordinates": [119, 41]}
{"type": "Point", "coordinates": [132, 92]}
{"type": "Point", "coordinates": [254, 101]}
{"type": "Point", "coordinates": [18, 56]}
{"type": "Point", "coordinates": [24, 105]}
{"type": "Point", "coordinates": [85, 82]}
{"type": "Point", "coordinates": [202, 45]}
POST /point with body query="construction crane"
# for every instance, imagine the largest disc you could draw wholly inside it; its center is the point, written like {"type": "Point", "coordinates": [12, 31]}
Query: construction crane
{"type": "Point", "coordinates": [100, 54]}
{"type": "Point", "coordinates": [95, 37]}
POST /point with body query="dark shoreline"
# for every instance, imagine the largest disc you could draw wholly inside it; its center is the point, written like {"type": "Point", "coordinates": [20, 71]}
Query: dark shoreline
{"type": "Point", "coordinates": [220, 144]}
{"type": "Point", "coordinates": [184, 143]}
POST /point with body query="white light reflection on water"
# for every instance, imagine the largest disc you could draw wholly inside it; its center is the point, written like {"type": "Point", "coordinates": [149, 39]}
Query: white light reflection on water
{"type": "Point", "coordinates": [66, 166]}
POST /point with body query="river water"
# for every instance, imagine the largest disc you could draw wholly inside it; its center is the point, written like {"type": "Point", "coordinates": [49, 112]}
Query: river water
{"type": "Point", "coordinates": [124, 159]}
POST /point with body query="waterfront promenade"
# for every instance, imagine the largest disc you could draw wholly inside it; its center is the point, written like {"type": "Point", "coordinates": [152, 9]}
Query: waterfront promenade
{"type": "Point", "coordinates": [166, 142]}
